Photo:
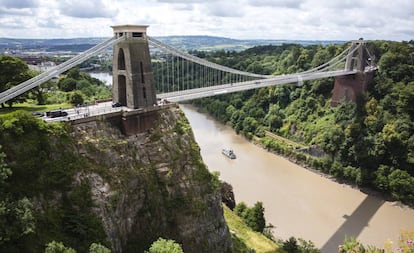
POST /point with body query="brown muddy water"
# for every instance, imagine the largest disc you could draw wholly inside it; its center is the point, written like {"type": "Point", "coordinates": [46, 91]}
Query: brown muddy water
{"type": "Point", "coordinates": [297, 202]}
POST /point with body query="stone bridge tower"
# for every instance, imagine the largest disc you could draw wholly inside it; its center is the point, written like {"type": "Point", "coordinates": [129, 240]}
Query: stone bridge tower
{"type": "Point", "coordinates": [350, 87]}
{"type": "Point", "coordinates": [133, 83]}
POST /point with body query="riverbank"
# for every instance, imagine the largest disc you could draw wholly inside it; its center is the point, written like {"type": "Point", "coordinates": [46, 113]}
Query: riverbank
{"type": "Point", "coordinates": [291, 150]}
{"type": "Point", "coordinates": [366, 190]}
{"type": "Point", "coordinates": [298, 202]}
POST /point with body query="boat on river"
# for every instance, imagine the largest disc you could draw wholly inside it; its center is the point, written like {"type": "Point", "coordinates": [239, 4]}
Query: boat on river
{"type": "Point", "coordinates": [229, 153]}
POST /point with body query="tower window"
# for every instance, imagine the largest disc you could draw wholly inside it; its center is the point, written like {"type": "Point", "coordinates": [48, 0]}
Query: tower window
{"type": "Point", "coordinates": [137, 35]}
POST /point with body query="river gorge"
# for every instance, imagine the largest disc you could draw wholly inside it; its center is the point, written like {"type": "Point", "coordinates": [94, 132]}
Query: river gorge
{"type": "Point", "coordinates": [297, 202]}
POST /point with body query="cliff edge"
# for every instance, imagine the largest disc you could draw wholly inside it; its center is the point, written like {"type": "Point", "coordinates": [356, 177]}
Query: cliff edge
{"type": "Point", "coordinates": [88, 183]}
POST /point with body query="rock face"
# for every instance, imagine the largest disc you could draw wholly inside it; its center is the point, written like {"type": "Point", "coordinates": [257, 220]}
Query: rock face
{"type": "Point", "coordinates": [152, 185]}
{"type": "Point", "coordinates": [227, 195]}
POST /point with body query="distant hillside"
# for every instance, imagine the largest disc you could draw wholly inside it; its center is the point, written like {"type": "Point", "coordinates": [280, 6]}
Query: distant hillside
{"type": "Point", "coordinates": [205, 43]}
{"type": "Point", "coordinates": [49, 44]}
{"type": "Point", "coordinates": [211, 43]}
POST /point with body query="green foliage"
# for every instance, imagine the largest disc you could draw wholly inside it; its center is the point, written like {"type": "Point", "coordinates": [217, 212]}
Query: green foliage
{"type": "Point", "coordinates": [351, 245]}
{"type": "Point", "coordinates": [12, 72]}
{"type": "Point", "coordinates": [182, 126]}
{"type": "Point", "coordinates": [254, 217]}
{"type": "Point", "coordinates": [16, 217]}
{"type": "Point", "coordinates": [165, 246]}
{"type": "Point", "coordinates": [76, 98]}
{"type": "Point", "coordinates": [98, 248]}
{"type": "Point", "coordinates": [42, 164]}
{"type": "Point", "coordinates": [58, 247]}
{"type": "Point", "coordinates": [293, 245]}
{"type": "Point", "coordinates": [244, 239]}
{"type": "Point", "coordinates": [358, 138]}
{"type": "Point", "coordinates": [67, 84]}
{"type": "Point", "coordinates": [401, 185]}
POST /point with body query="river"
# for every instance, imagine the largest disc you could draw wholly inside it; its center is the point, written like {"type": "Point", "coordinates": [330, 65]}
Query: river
{"type": "Point", "coordinates": [297, 201]}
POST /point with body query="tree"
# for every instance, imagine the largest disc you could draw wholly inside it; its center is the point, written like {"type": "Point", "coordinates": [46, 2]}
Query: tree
{"type": "Point", "coordinates": [67, 84]}
{"type": "Point", "coordinates": [331, 140]}
{"type": "Point", "coordinates": [58, 247]}
{"type": "Point", "coordinates": [291, 245]}
{"type": "Point", "coordinates": [240, 209]}
{"type": "Point", "coordinates": [98, 248]}
{"type": "Point", "coordinates": [16, 218]}
{"type": "Point", "coordinates": [86, 87]}
{"type": "Point", "coordinates": [12, 72]}
{"type": "Point", "coordinates": [254, 217]}
{"type": "Point", "coordinates": [250, 124]}
{"type": "Point", "coordinates": [76, 98]}
{"type": "Point", "coordinates": [74, 73]}
{"type": "Point", "coordinates": [165, 246]}
{"type": "Point", "coordinates": [274, 118]}
{"type": "Point", "coordinates": [401, 185]}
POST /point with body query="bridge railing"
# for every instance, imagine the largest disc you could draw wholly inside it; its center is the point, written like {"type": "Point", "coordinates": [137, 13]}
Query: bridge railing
{"type": "Point", "coordinates": [192, 58]}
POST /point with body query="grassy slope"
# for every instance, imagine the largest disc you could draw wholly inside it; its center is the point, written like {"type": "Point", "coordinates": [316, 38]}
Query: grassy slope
{"type": "Point", "coordinates": [244, 237]}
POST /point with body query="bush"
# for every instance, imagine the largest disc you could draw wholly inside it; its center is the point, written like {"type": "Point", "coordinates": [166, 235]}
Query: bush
{"type": "Point", "coordinates": [165, 246]}
{"type": "Point", "coordinates": [98, 248]}
{"type": "Point", "coordinates": [58, 247]}
{"type": "Point", "coordinates": [293, 245]}
{"type": "Point", "coordinates": [76, 98]}
{"type": "Point", "coordinates": [254, 217]}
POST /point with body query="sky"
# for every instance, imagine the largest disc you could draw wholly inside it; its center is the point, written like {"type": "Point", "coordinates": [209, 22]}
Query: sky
{"type": "Point", "coordinates": [237, 19]}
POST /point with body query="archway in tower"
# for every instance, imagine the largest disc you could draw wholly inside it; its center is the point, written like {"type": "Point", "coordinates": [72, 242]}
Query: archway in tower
{"type": "Point", "coordinates": [122, 97]}
{"type": "Point", "coordinates": [121, 59]}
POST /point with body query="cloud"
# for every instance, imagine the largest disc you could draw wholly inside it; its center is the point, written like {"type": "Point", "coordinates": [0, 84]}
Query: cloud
{"type": "Point", "coordinates": [295, 4]}
{"type": "Point", "coordinates": [254, 19]}
{"type": "Point", "coordinates": [16, 12]}
{"type": "Point", "coordinates": [225, 9]}
{"type": "Point", "coordinates": [184, 7]}
{"type": "Point", "coordinates": [86, 9]}
{"type": "Point", "coordinates": [184, 1]}
{"type": "Point", "coordinates": [13, 23]}
{"type": "Point", "coordinates": [18, 4]}
{"type": "Point", "coordinates": [49, 23]}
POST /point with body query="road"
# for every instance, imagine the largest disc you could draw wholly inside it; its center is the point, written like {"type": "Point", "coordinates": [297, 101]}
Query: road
{"type": "Point", "coordinates": [85, 111]}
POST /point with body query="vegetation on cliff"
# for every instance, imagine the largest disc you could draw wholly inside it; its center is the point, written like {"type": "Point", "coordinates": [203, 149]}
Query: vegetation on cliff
{"type": "Point", "coordinates": [87, 183]}
{"type": "Point", "coordinates": [368, 143]}
{"type": "Point", "coordinates": [43, 164]}
{"type": "Point", "coordinates": [246, 240]}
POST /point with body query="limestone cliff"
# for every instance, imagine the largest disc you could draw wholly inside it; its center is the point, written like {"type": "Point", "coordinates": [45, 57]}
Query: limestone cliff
{"type": "Point", "coordinates": [152, 184]}
{"type": "Point", "coordinates": [87, 182]}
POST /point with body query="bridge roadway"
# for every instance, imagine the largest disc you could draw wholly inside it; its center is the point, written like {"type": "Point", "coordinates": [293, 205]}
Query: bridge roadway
{"type": "Point", "coordinates": [248, 85]}
{"type": "Point", "coordinates": [86, 111]}
{"type": "Point", "coordinates": [91, 111]}
{"type": "Point", "coordinates": [106, 107]}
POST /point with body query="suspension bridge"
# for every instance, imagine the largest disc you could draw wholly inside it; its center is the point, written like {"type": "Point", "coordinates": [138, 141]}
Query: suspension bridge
{"type": "Point", "coordinates": [145, 69]}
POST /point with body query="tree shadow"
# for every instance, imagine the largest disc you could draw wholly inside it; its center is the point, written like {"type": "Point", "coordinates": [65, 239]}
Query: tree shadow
{"type": "Point", "coordinates": [354, 224]}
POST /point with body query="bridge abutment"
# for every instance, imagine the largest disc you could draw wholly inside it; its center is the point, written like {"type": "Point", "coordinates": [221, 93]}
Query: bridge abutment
{"type": "Point", "coordinates": [350, 87]}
